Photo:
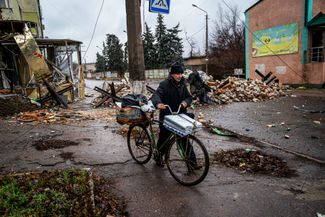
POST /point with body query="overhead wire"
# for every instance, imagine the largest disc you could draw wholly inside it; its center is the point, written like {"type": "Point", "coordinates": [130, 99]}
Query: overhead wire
{"type": "Point", "coordinates": [188, 14]}
{"type": "Point", "coordinates": [185, 16]}
{"type": "Point", "coordinates": [263, 42]}
{"type": "Point", "coordinates": [94, 30]}
{"type": "Point", "coordinates": [197, 31]}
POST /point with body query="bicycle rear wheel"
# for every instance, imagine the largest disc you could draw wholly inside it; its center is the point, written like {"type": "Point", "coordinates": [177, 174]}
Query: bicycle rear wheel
{"type": "Point", "coordinates": [188, 160]}
{"type": "Point", "coordinates": [139, 144]}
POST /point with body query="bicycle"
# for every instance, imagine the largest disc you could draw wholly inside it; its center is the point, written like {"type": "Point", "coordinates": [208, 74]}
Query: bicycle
{"type": "Point", "coordinates": [186, 157]}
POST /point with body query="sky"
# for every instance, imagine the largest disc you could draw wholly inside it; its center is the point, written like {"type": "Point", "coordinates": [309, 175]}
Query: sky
{"type": "Point", "coordinates": [76, 19]}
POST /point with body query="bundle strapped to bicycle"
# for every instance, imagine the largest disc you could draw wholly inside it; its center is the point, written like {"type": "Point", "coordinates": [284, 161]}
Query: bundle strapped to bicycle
{"type": "Point", "coordinates": [133, 109]}
{"type": "Point", "coordinates": [181, 124]}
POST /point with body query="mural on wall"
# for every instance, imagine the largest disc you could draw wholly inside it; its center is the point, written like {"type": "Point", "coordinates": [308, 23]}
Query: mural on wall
{"type": "Point", "coordinates": [276, 40]}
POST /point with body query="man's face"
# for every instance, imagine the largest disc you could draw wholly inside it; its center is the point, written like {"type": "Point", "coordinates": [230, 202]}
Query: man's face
{"type": "Point", "coordinates": [177, 76]}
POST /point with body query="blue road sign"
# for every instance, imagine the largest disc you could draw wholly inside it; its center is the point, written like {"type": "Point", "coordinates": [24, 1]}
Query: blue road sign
{"type": "Point", "coordinates": [159, 6]}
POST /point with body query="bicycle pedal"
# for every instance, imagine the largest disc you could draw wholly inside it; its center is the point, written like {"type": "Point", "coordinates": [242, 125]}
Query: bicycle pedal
{"type": "Point", "coordinates": [197, 167]}
{"type": "Point", "coordinates": [160, 163]}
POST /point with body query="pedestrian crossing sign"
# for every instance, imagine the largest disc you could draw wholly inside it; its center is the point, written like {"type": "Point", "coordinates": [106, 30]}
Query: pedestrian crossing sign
{"type": "Point", "coordinates": [159, 6]}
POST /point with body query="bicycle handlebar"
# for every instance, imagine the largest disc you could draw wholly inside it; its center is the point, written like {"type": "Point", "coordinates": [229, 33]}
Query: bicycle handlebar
{"type": "Point", "coordinates": [170, 109]}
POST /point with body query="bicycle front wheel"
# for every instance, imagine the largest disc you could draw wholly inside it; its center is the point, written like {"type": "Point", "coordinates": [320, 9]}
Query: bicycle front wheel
{"type": "Point", "coordinates": [139, 144]}
{"type": "Point", "coordinates": [188, 160]}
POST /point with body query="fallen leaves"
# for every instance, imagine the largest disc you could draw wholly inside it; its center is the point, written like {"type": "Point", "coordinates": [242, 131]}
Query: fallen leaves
{"type": "Point", "coordinates": [252, 161]}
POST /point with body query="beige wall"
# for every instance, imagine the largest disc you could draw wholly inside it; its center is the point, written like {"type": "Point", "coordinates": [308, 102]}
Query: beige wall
{"type": "Point", "coordinates": [271, 13]}
{"type": "Point", "coordinates": [194, 61]}
{"type": "Point", "coordinates": [91, 67]}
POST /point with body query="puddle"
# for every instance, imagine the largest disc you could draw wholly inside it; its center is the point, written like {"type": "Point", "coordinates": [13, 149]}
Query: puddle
{"type": "Point", "coordinates": [66, 155]}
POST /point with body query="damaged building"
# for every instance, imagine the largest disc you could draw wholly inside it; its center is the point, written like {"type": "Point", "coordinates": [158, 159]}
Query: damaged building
{"type": "Point", "coordinates": [32, 65]}
{"type": "Point", "coordinates": [286, 39]}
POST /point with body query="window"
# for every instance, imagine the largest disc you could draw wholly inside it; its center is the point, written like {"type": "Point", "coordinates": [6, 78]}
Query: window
{"type": "Point", "coordinates": [317, 49]}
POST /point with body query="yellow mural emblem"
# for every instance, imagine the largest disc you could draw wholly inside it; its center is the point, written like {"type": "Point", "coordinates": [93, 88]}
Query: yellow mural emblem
{"type": "Point", "coordinates": [276, 40]}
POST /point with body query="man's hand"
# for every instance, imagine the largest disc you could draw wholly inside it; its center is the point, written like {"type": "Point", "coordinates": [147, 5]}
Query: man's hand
{"type": "Point", "coordinates": [184, 104]}
{"type": "Point", "coordinates": [161, 106]}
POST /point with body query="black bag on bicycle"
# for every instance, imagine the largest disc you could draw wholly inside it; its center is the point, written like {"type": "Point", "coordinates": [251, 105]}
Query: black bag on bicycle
{"type": "Point", "coordinates": [133, 100]}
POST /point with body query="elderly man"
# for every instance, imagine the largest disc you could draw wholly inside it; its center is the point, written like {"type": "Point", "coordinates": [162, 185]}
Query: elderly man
{"type": "Point", "coordinates": [173, 92]}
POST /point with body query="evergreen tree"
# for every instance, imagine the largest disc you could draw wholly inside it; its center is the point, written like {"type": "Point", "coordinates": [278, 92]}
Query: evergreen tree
{"type": "Point", "coordinates": [114, 54]}
{"type": "Point", "coordinates": [161, 42]}
{"type": "Point", "coordinates": [175, 46]}
{"type": "Point", "coordinates": [149, 49]}
{"type": "Point", "coordinates": [100, 63]}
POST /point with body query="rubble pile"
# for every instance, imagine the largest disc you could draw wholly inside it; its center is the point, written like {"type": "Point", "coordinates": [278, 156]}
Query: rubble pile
{"type": "Point", "coordinates": [65, 116]}
{"type": "Point", "coordinates": [252, 161]}
{"type": "Point", "coordinates": [11, 104]}
{"type": "Point", "coordinates": [235, 89]}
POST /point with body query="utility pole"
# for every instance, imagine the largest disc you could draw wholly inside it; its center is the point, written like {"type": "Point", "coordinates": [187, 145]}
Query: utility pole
{"type": "Point", "coordinates": [135, 47]}
{"type": "Point", "coordinates": [206, 38]}
{"type": "Point", "coordinates": [206, 44]}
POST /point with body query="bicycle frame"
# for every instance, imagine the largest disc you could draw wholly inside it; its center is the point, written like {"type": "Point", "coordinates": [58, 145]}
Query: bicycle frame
{"type": "Point", "coordinates": [179, 150]}
{"type": "Point", "coordinates": [170, 138]}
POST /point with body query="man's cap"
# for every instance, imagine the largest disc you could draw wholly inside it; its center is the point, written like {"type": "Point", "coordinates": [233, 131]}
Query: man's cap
{"type": "Point", "coordinates": [176, 68]}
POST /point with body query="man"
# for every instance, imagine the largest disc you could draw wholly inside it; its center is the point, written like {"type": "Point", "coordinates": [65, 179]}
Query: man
{"type": "Point", "coordinates": [197, 87]}
{"type": "Point", "coordinates": [173, 92]}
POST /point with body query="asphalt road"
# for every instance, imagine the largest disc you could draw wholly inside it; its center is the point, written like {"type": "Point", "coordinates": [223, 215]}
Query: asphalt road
{"type": "Point", "coordinates": [151, 191]}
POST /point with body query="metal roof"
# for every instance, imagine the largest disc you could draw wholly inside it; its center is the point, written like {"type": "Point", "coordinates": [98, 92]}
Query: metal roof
{"type": "Point", "coordinates": [57, 42]}
{"type": "Point", "coordinates": [317, 20]}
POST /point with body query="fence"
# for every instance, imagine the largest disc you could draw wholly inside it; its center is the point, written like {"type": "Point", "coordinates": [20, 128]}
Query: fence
{"type": "Point", "coordinates": [150, 74]}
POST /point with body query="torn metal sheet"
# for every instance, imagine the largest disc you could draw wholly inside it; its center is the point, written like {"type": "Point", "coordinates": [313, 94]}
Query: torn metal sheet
{"type": "Point", "coordinates": [33, 56]}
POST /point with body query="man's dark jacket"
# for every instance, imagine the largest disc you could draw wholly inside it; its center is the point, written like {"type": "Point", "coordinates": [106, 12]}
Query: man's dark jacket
{"type": "Point", "coordinates": [171, 93]}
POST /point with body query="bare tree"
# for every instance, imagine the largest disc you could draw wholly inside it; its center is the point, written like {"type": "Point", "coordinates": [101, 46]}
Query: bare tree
{"type": "Point", "coordinates": [227, 47]}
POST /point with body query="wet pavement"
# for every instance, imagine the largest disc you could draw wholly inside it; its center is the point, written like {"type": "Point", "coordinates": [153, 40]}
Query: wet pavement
{"type": "Point", "coordinates": [151, 191]}
{"type": "Point", "coordinates": [294, 123]}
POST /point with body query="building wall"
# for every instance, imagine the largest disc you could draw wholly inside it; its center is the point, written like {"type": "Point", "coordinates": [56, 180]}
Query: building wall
{"type": "Point", "coordinates": [271, 13]}
{"type": "Point", "coordinates": [24, 10]}
{"type": "Point", "coordinates": [194, 61]}
{"type": "Point", "coordinates": [91, 67]}
{"type": "Point", "coordinates": [15, 10]}
{"type": "Point", "coordinates": [315, 78]}
{"type": "Point", "coordinates": [318, 5]}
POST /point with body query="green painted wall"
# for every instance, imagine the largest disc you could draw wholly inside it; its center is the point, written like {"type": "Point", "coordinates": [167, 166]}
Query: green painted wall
{"type": "Point", "coordinates": [247, 45]}
{"type": "Point", "coordinates": [15, 10]}
{"type": "Point", "coordinates": [27, 10]}
{"type": "Point", "coordinates": [308, 11]}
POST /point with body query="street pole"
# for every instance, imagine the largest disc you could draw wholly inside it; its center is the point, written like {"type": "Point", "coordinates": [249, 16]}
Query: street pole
{"type": "Point", "coordinates": [206, 44]}
{"type": "Point", "coordinates": [206, 38]}
{"type": "Point", "coordinates": [135, 48]}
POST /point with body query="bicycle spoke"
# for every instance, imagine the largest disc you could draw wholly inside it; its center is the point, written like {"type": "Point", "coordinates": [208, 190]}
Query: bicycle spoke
{"type": "Point", "coordinates": [139, 144]}
{"type": "Point", "coordinates": [188, 160]}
